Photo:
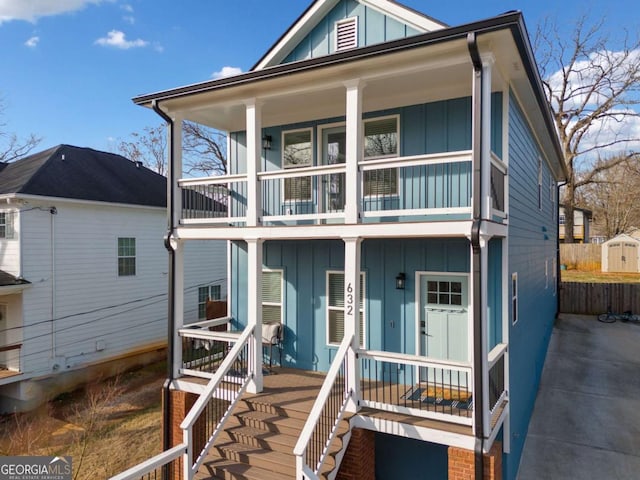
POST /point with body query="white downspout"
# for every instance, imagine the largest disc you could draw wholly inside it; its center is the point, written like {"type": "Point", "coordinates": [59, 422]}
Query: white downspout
{"type": "Point", "coordinates": [53, 211]}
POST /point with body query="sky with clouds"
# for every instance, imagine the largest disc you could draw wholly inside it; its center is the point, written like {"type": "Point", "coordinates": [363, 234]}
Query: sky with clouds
{"type": "Point", "coordinates": [69, 68]}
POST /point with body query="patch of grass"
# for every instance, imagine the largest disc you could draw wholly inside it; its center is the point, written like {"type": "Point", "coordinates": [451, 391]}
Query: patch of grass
{"type": "Point", "coordinates": [582, 276]}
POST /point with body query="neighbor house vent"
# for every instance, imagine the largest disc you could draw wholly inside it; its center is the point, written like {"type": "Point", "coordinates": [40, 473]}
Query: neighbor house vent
{"type": "Point", "coordinates": [346, 34]}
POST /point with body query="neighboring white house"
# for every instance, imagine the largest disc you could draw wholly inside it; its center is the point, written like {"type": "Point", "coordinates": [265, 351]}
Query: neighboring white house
{"type": "Point", "coordinates": [83, 271]}
{"type": "Point", "coordinates": [621, 254]}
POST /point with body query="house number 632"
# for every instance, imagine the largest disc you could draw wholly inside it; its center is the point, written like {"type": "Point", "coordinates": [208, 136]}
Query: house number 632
{"type": "Point", "coordinates": [349, 299]}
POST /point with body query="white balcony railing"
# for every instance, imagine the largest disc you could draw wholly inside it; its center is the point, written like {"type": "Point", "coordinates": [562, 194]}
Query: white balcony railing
{"type": "Point", "coordinates": [407, 188]}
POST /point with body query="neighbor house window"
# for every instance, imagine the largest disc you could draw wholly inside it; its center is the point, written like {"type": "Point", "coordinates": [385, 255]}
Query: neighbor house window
{"type": "Point", "coordinates": [380, 141]}
{"type": "Point", "coordinates": [561, 219]}
{"type": "Point", "coordinates": [297, 153]}
{"type": "Point", "coordinates": [271, 296]}
{"type": "Point", "coordinates": [205, 294]}
{"type": "Point", "coordinates": [126, 256]}
{"type": "Point", "coordinates": [6, 225]}
{"type": "Point", "coordinates": [514, 298]}
{"type": "Point", "coordinates": [335, 308]}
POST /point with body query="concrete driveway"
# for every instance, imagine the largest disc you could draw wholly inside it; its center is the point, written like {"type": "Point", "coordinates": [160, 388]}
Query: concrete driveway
{"type": "Point", "coordinates": [586, 420]}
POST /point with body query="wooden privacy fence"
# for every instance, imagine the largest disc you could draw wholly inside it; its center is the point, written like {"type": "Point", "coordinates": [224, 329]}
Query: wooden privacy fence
{"type": "Point", "coordinates": [596, 298]}
{"type": "Point", "coordinates": [581, 256]}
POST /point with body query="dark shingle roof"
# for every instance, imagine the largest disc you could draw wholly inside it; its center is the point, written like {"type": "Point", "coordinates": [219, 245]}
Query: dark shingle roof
{"type": "Point", "coordinates": [79, 173]}
{"type": "Point", "coordinates": [6, 279]}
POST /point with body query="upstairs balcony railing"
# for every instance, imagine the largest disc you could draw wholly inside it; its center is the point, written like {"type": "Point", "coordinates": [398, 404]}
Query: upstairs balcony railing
{"type": "Point", "coordinates": [411, 188]}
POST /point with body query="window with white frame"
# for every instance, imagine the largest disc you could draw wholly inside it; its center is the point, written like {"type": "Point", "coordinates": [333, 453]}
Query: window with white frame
{"type": "Point", "coordinates": [207, 294]}
{"type": "Point", "coordinates": [6, 225]}
{"type": "Point", "coordinates": [346, 34]}
{"type": "Point", "coordinates": [126, 256]}
{"type": "Point", "coordinates": [539, 183]}
{"type": "Point", "coordinates": [296, 153]}
{"type": "Point", "coordinates": [271, 296]}
{"type": "Point", "coordinates": [514, 298]}
{"type": "Point", "coordinates": [561, 219]}
{"type": "Point", "coordinates": [335, 308]}
{"type": "Point", "coordinates": [381, 140]}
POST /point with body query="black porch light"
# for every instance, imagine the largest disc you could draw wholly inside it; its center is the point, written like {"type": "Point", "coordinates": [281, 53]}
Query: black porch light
{"type": "Point", "coordinates": [400, 281]}
{"type": "Point", "coordinates": [266, 142]}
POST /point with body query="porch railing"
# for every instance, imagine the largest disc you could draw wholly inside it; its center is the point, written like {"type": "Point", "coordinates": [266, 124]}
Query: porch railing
{"type": "Point", "coordinates": [496, 365]}
{"type": "Point", "coordinates": [10, 358]}
{"type": "Point", "coordinates": [167, 465]}
{"type": "Point", "coordinates": [416, 185]}
{"type": "Point", "coordinates": [207, 417]}
{"type": "Point", "coordinates": [308, 193]}
{"type": "Point", "coordinates": [322, 426]}
{"type": "Point", "coordinates": [214, 200]}
{"type": "Point", "coordinates": [203, 350]}
{"type": "Point", "coordinates": [417, 386]}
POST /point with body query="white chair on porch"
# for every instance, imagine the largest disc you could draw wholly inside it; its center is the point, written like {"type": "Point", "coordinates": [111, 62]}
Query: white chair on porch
{"type": "Point", "coordinates": [272, 336]}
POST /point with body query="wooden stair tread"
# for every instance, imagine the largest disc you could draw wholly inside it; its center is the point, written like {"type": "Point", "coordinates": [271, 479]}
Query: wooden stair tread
{"type": "Point", "coordinates": [223, 469]}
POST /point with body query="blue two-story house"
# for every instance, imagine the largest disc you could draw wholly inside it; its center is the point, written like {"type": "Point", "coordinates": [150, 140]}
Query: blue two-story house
{"type": "Point", "coordinates": [391, 212]}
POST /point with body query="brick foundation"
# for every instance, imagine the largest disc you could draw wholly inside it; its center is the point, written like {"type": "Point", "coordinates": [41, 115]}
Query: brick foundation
{"type": "Point", "coordinates": [181, 403]}
{"type": "Point", "coordinates": [462, 463]}
{"type": "Point", "coordinates": [359, 461]}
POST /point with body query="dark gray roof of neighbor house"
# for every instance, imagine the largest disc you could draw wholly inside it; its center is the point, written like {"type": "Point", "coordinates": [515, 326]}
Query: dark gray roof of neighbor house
{"type": "Point", "coordinates": [79, 173]}
{"type": "Point", "coordinates": [7, 279]}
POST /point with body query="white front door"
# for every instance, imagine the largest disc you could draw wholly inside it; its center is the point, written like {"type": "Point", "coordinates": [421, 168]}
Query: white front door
{"type": "Point", "coordinates": [444, 317]}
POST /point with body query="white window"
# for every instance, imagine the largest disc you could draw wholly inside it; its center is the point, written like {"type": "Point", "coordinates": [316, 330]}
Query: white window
{"type": "Point", "coordinates": [6, 225]}
{"type": "Point", "coordinates": [381, 140]}
{"type": "Point", "coordinates": [346, 34]}
{"type": "Point", "coordinates": [205, 294]}
{"type": "Point", "coordinates": [296, 153]}
{"type": "Point", "coordinates": [126, 256]}
{"type": "Point", "coordinates": [271, 296]}
{"type": "Point", "coordinates": [539, 183]}
{"type": "Point", "coordinates": [561, 219]}
{"type": "Point", "coordinates": [335, 308]}
{"type": "Point", "coordinates": [514, 298]}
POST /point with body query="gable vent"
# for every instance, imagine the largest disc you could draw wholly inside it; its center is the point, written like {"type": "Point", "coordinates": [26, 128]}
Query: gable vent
{"type": "Point", "coordinates": [346, 34]}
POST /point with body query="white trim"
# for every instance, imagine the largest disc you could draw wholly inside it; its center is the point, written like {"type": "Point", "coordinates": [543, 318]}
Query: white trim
{"type": "Point", "coordinates": [416, 211]}
{"type": "Point", "coordinates": [441, 437]}
{"type": "Point", "coordinates": [155, 462]}
{"type": "Point", "coordinates": [273, 304]}
{"type": "Point", "coordinates": [322, 7]}
{"type": "Point", "coordinates": [218, 180]}
{"type": "Point", "coordinates": [416, 160]}
{"type": "Point", "coordinates": [363, 310]}
{"type": "Point", "coordinates": [43, 199]}
{"type": "Point", "coordinates": [444, 229]}
{"type": "Point", "coordinates": [306, 216]}
{"type": "Point", "coordinates": [513, 289]}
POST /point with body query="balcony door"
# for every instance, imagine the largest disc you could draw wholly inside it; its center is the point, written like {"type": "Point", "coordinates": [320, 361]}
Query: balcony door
{"type": "Point", "coordinates": [443, 328]}
{"type": "Point", "coordinates": [333, 152]}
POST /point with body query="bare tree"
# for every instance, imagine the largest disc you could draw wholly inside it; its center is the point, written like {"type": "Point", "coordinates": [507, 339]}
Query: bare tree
{"type": "Point", "coordinates": [614, 196]}
{"type": "Point", "coordinates": [148, 147]}
{"type": "Point", "coordinates": [593, 92]}
{"type": "Point", "coordinates": [11, 147]}
{"type": "Point", "coordinates": [204, 149]}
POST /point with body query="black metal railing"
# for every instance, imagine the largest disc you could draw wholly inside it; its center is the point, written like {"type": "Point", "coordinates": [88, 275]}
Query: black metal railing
{"type": "Point", "coordinates": [167, 465]}
{"type": "Point", "coordinates": [496, 382]}
{"type": "Point", "coordinates": [214, 200]}
{"type": "Point", "coordinates": [414, 384]}
{"type": "Point", "coordinates": [203, 355]}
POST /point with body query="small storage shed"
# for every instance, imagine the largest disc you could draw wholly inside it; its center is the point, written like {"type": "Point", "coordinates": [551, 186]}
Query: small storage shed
{"type": "Point", "coordinates": [621, 254]}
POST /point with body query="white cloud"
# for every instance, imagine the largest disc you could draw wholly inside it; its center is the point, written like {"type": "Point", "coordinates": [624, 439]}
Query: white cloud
{"type": "Point", "coordinates": [127, 8]}
{"type": "Point", "coordinates": [129, 19]}
{"type": "Point", "coordinates": [32, 42]}
{"type": "Point", "coordinates": [31, 10]}
{"type": "Point", "coordinates": [117, 39]}
{"type": "Point", "coordinates": [227, 72]}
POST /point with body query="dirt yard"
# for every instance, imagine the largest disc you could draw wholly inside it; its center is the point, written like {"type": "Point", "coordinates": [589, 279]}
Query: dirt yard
{"type": "Point", "coordinates": [106, 427]}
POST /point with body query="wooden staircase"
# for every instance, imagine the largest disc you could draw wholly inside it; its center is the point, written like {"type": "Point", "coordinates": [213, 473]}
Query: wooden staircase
{"type": "Point", "coordinates": [258, 442]}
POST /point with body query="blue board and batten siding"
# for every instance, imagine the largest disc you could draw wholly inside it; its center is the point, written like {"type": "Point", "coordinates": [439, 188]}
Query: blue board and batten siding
{"type": "Point", "coordinates": [390, 314]}
{"type": "Point", "coordinates": [532, 248]}
{"type": "Point", "coordinates": [373, 27]}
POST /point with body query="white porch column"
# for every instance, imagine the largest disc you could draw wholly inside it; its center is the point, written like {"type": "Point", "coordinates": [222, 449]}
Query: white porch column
{"type": "Point", "coordinates": [254, 141]}
{"type": "Point", "coordinates": [178, 305]}
{"type": "Point", "coordinates": [352, 249]}
{"type": "Point", "coordinates": [254, 311]}
{"type": "Point", "coordinates": [487, 66]}
{"type": "Point", "coordinates": [353, 150]}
